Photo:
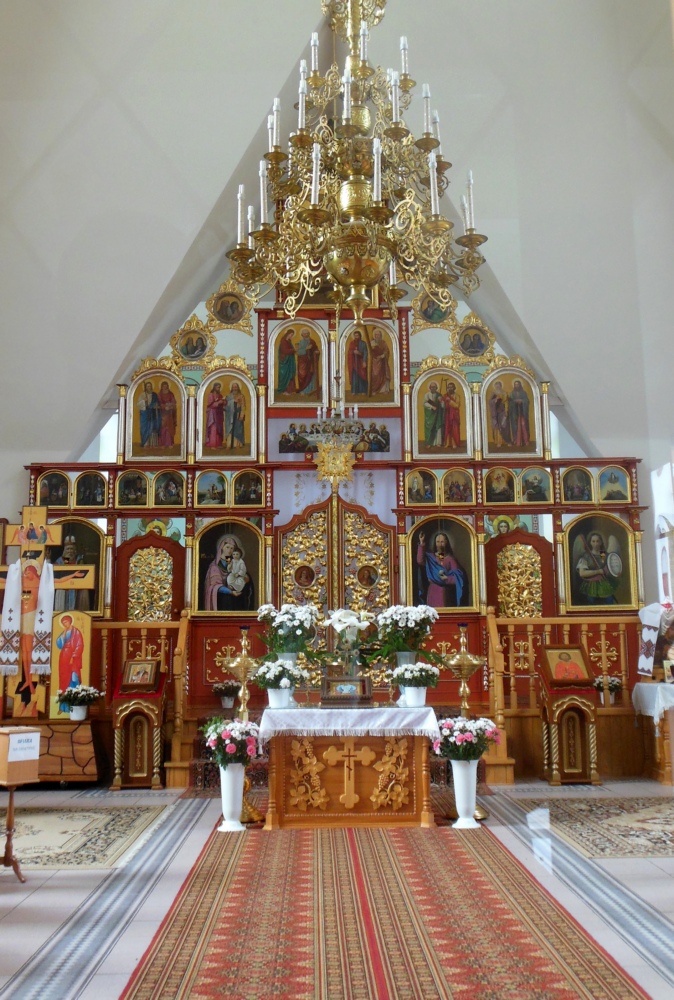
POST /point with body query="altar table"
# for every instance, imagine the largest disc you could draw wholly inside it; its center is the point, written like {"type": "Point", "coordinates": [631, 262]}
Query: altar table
{"type": "Point", "coordinates": [656, 701]}
{"type": "Point", "coordinates": [349, 767]}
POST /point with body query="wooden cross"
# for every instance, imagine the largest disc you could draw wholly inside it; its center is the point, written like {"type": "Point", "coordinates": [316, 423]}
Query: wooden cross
{"type": "Point", "coordinates": [365, 756]}
{"type": "Point", "coordinates": [33, 535]}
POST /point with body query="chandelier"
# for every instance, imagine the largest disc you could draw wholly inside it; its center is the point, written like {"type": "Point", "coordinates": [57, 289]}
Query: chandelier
{"type": "Point", "coordinates": [335, 434]}
{"type": "Point", "coordinates": [356, 196]}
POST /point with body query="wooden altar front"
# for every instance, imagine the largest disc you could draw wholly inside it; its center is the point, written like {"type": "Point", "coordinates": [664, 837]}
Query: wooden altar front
{"type": "Point", "coordinates": [349, 767]}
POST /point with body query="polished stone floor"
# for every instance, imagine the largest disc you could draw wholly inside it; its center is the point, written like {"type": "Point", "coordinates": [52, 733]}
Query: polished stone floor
{"type": "Point", "coordinates": [80, 933]}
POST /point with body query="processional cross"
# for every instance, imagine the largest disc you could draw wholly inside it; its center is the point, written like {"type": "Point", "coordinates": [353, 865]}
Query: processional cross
{"type": "Point", "coordinates": [350, 757]}
{"type": "Point", "coordinates": [33, 536]}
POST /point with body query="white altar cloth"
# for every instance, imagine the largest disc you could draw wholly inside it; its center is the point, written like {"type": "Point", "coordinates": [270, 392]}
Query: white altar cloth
{"type": "Point", "coordinates": [349, 722]}
{"type": "Point", "coordinates": [653, 699]}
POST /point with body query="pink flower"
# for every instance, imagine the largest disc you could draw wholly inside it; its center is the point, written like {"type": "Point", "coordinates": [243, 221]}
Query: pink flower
{"type": "Point", "coordinates": [225, 734]}
{"type": "Point", "coordinates": [469, 737]}
{"type": "Point", "coordinates": [436, 745]}
{"type": "Point", "coordinates": [212, 743]}
{"type": "Point", "coordinates": [230, 748]}
{"type": "Point", "coordinates": [250, 750]}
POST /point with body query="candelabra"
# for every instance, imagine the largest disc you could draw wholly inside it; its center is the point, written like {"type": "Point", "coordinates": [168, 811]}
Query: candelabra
{"type": "Point", "coordinates": [335, 433]}
{"type": "Point", "coordinates": [356, 196]}
{"type": "Point", "coordinates": [463, 665]}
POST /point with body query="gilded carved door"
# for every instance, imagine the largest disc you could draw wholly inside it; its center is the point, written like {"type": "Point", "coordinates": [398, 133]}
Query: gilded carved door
{"type": "Point", "coordinates": [336, 555]}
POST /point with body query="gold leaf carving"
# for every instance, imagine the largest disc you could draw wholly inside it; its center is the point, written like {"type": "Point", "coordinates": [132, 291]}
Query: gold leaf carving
{"type": "Point", "coordinates": [391, 789]}
{"type": "Point", "coordinates": [366, 545]}
{"type": "Point", "coordinates": [150, 585]}
{"type": "Point", "coordinates": [520, 587]}
{"type": "Point", "coordinates": [306, 545]}
{"type": "Point", "coordinates": [305, 785]}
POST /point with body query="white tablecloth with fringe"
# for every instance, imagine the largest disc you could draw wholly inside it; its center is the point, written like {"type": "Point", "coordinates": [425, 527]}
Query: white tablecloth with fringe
{"type": "Point", "coordinates": [349, 722]}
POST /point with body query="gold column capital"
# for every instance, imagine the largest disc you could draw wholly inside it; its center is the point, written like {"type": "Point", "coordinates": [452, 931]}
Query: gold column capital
{"type": "Point", "coordinates": [123, 389]}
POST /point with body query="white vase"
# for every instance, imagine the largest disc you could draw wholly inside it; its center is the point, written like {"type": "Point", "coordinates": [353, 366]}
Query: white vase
{"type": "Point", "coordinates": [405, 657]}
{"type": "Point", "coordinates": [611, 697]}
{"type": "Point", "coordinates": [415, 697]}
{"type": "Point", "coordinates": [279, 697]}
{"type": "Point", "coordinates": [464, 773]}
{"type": "Point", "coordinates": [227, 701]}
{"type": "Point", "coordinates": [231, 790]}
{"type": "Point", "coordinates": [78, 713]}
{"type": "Point", "coordinates": [290, 657]}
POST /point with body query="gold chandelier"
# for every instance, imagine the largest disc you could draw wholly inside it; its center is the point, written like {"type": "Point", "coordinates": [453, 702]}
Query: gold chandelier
{"type": "Point", "coordinates": [356, 196]}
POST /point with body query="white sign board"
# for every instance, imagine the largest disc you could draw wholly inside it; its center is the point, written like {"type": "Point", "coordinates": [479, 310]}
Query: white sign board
{"type": "Point", "coordinates": [23, 746]}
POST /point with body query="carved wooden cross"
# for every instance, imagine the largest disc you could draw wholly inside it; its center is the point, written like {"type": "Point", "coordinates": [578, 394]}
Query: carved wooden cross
{"type": "Point", "coordinates": [364, 756]}
{"type": "Point", "coordinates": [33, 536]}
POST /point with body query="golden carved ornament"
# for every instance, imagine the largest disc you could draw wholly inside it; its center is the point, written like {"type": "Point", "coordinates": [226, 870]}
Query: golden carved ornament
{"type": "Point", "coordinates": [200, 355]}
{"type": "Point", "coordinates": [391, 789]}
{"type": "Point", "coordinates": [345, 16]}
{"type": "Point", "coordinates": [236, 362]}
{"type": "Point", "coordinates": [305, 785]}
{"type": "Point", "coordinates": [445, 318]}
{"type": "Point", "coordinates": [365, 545]}
{"type": "Point", "coordinates": [501, 361]}
{"type": "Point", "coordinates": [470, 325]}
{"type": "Point", "coordinates": [150, 585]}
{"type": "Point", "coordinates": [432, 362]}
{"type": "Point", "coordinates": [306, 545]}
{"type": "Point", "coordinates": [157, 364]}
{"type": "Point", "coordinates": [332, 465]}
{"type": "Point", "coordinates": [520, 585]}
{"type": "Point", "coordinates": [223, 311]}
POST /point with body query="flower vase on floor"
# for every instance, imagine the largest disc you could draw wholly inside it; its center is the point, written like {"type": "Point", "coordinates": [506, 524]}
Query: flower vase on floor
{"type": "Point", "coordinates": [415, 697]}
{"type": "Point", "coordinates": [279, 697]}
{"type": "Point", "coordinates": [78, 713]}
{"type": "Point", "coordinates": [464, 773]}
{"type": "Point", "coordinates": [231, 790]}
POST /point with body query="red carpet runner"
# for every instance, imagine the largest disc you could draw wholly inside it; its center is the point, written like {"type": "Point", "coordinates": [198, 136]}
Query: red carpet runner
{"type": "Point", "coordinates": [369, 915]}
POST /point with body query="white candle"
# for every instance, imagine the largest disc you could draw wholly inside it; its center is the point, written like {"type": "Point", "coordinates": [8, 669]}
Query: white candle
{"type": "Point", "coordinates": [464, 212]}
{"type": "Point", "coordinates": [395, 109]}
{"type": "Point", "coordinates": [263, 191]}
{"type": "Point", "coordinates": [426, 91]}
{"type": "Point", "coordinates": [314, 52]}
{"type": "Point", "coordinates": [392, 279]}
{"type": "Point", "coordinates": [364, 35]}
{"type": "Point", "coordinates": [355, 411]}
{"type": "Point", "coordinates": [302, 112]}
{"type": "Point", "coordinates": [376, 183]}
{"type": "Point", "coordinates": [270, 131]}
{"type": "Point", "coordinates": [240, 198]}
{"type": "Point", "coordinates": [251, 227]}
{"type": "Point", "coordinates": [276, 112]}
{"type": "Point", "coordinates": [316, 173]}
{"type": "Point", "coordinates": [471, 211]}
{"type": "Point", "coordinates": [303, 68]}
{"type": "Point", "coordinates": [436, 130]}
{"type": "Point", "coordinates": [433, 177]}
{"type": "Point", "coordinates": [347, 93]}
{"type": "Point", "coordinates": [404, 55]}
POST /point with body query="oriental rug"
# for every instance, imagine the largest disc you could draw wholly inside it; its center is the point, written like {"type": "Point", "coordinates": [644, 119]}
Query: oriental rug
{"type": "Point", "coordinates": [610, 828]}
{"type": "Point", "coordinates": [370, 915]}
{"type": "Point", "coordinates": [78, 838]}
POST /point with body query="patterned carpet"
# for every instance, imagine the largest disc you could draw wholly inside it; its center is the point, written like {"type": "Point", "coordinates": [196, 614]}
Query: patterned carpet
{"type": "Point", "coordinates": [78, 838]}
{"type": "Point", "coordinates": [610, 828]}
{"type": "Point", "coordinates": [369, 915]}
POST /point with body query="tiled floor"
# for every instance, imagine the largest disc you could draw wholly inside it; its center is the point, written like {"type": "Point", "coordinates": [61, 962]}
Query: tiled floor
{"type": "Point", "coordinates": [48, 925]}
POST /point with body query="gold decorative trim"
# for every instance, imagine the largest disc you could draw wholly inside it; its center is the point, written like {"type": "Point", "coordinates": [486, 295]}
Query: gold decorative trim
{"type": "Point", "coordinates": [230, 289]}
{"type": "Point", "coordinates": [305, 785]}
{"type": "Point", "coordinates": [391, 789]}
{"type": "Point", "coordinates": [432, 362]}
{"type": "Point", "coordinates": [157, 364]}
{"type": "Point", "coordinates": [501, 361]}
{"type": "Point", "coordinates": [236, 362]}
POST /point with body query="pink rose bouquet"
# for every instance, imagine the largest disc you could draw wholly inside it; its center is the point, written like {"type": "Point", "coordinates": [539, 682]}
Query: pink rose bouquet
{"type": "Point", "coordinates": [465, 739]}
{"type": "Point", "coordinates": [232, 741]}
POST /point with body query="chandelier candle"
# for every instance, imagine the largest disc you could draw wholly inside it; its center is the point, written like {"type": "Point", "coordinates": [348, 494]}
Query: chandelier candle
{"type": "Point", "coordinates": [376, 184]}
{"type": "Point", "coordinates": [364, 35]}
{"type": "Point", "coordinates": [347, 95]}
{"type": "Point", "coordinates": [316, 174]}
{"type": "Point", "coordinates": [395, 98]}
{"type": "Point", "coordinates": [263, 192]}
{"type": "Point", "coordinates": [404, 55]}
{"type": "Point", "coordinates": [470, 217]}
{"type": "Point", "coordinates": [436, 131]}
{"type": "Point", "coordinates": [302, 111]}
{"type": "Point", "coordinates": [276, 115]}
{"type": "Point", "coordinates": [241, 197]}
{"type": "Point", "coordinates": [426, 91]}
{"type": "Point", "coordinates": [314, 52]}
{"type": "Point", "coordinates": [433, 178]}
{"type": "Point", "coordinates": [251, 227]}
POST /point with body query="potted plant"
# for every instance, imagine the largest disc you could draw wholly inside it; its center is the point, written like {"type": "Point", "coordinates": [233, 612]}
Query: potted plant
{"type": "Point", "coordinates": [289, 630]}
{"type": "Point", "coordinates": [464, 741]}
{"type": "Point", "coordinates": [413, 679]}
{"type": "Point", "coordinates": [614, 686]}
{"type": "Point", "coordinates": [76, 700]}
{"type": "Point", "coordinates": [227, 692]}
{"type": "Point", "coordinates": [233, 744]}
{"type": "Point", "coordinates": [402, 628]}
{"type": "Point", "coordinates": [278, 678]}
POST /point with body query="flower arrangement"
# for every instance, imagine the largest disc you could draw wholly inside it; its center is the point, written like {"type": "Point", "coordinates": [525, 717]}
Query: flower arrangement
{"type": "Point", "coordinates": [291, 629]}
{"type": "Point", "coordinates": [226, 689]}
{"type": "Point", "coordinates": [80, 695]}
{"type": "Point", "coordinates": [279, 674]}
{"type": "Point", "coordinates": [415, 675]}
{"type": "Point", "coordinates": [402, 628]}
{"type": "Point", "coordinates": [232, 741]}
{"type": "Point", "coordinates": [465, 739]}
{"type": "Point", "coordinates": [614, 684]}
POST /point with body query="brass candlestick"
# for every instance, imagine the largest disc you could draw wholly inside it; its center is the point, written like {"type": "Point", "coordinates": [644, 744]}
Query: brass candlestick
{"type": "Point", "coordinates": [243, 667]}
{"type": "Point", "coordinates": [463, 665]}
